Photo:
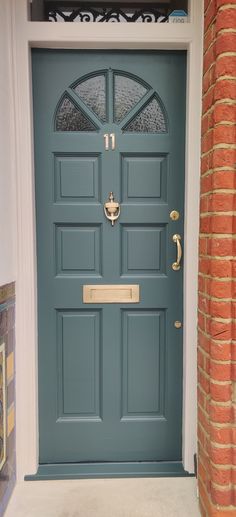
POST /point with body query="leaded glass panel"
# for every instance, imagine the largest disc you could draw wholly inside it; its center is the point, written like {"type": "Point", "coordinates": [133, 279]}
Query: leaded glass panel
{"type": "Point", "coordinates": [71, 118]}
{"type": "Point", "coordinates": [150, 120]}
{"type": "Point", "coordinates": [92, 91]}
{"type": "Point", "coordinates": [127, 93]}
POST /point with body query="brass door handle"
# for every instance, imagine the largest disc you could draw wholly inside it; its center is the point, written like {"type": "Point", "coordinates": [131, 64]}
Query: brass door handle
{"type": "Point", "coordinates": [177, 239]}
{"type": "Point", "coordinates": [112, 209]}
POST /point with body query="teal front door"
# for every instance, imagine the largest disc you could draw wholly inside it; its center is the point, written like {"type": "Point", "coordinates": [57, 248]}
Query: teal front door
{"type": "Point", "coordinates": [110, 278]}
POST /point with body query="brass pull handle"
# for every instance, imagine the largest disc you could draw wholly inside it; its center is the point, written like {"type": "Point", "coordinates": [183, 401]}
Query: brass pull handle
{"type": "Point", "coordinates": [113, 141]}
{"type": "Point", "coordinates": [177, 239]}
{"type": "Point", "coordinates": [106, 141]}
{"type": "Point", "coordinates": [112, 209]}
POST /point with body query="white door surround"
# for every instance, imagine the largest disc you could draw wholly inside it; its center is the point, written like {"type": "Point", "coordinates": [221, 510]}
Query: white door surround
{"type": "Point", "coordinates": [22, 36]}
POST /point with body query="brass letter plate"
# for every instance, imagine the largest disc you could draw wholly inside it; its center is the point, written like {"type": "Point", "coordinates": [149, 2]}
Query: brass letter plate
{"type": "Point", "coordinates": [111, 294]}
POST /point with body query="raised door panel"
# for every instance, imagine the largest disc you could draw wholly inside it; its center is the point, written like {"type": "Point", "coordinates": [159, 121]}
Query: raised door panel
{"type": "Point", "coordinates": [143, 250]}
{"type": "Point", "coordinates": [144, 178]}
{"type": "Point", "coordinates": [78, 250]}
{"type": "Point", "coordinates": [77, 179]}
{"type": "Point", "coordinates": [143, 364]}
{"type": "Point", "coordinates": [79, 365]}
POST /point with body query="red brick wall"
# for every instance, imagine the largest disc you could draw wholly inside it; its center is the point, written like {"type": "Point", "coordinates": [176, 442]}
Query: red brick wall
{"type": "Point", "coordinates": [217, 266]}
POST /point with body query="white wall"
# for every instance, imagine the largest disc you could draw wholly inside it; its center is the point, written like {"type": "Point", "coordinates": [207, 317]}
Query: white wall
{"type": "Point", "coordinates": [7, 152]}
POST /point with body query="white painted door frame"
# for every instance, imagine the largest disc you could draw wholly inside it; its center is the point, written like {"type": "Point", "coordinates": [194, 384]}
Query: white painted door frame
{"type": "Point", "coordinates": [24, 35]}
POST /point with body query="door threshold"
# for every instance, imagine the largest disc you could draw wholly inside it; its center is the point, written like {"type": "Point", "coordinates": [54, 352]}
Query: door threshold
{"type": "Point", "coordinates": [109, 470]}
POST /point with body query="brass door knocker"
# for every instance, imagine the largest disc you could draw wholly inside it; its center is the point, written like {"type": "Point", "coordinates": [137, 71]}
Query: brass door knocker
{"type": "Point", "coordinates": [112, 209]}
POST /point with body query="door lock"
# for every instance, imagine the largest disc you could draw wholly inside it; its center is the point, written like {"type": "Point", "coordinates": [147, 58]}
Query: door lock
{"type": "Point", "coordinates": [178, 324]}
{"type": "Point", "coordinates": [174, 215]}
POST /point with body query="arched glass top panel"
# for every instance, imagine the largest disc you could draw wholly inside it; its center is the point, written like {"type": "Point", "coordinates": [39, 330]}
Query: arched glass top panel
{"type": "Point", "coordinates": [150, 119]}
{"type": "Point", "coordinates": [70, 118]}
{"type": "Point", "coordinates": [92, 92]}
{"type": "Point", "coordinates": [127, 93]}
{"type": "Point", "coordinates": [133, 104]}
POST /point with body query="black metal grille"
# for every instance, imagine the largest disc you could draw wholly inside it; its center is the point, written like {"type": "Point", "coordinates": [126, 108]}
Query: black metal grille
{"type": "Point", "coordinates": [145, 12]}
{"type": "Point", "coordinates": [107, 14]}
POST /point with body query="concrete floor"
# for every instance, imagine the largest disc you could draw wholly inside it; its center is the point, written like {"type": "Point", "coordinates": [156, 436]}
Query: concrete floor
{"type": "Point", "coordinates": [159, 497]}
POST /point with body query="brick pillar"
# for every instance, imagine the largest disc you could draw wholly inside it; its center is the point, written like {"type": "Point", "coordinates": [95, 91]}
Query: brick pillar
{"type": "Point", "coordinates": [217, 266]}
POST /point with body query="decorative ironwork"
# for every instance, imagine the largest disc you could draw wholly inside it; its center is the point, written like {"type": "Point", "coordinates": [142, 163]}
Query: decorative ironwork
{"type": "Point", "coordinates": [109, 13]}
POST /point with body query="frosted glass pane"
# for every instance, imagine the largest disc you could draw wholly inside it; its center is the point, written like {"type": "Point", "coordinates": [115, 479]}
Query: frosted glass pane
{"type": "Point", "coordinates": [70, 118]}
{"type": "Point", "coordinates": [150, 120]}
{"type": "Point", "coordinates": [93, 94]}
{"type": "Point", "coordinates": [127, 94]}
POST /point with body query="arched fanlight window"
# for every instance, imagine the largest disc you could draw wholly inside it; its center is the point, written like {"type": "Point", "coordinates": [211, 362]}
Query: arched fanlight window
{"type": "Point", "coordinates": [137, 108]}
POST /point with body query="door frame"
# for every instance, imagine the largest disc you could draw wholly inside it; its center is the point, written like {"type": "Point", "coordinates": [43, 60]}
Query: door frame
{"type": "Point", "coordinates": [23, 35]}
